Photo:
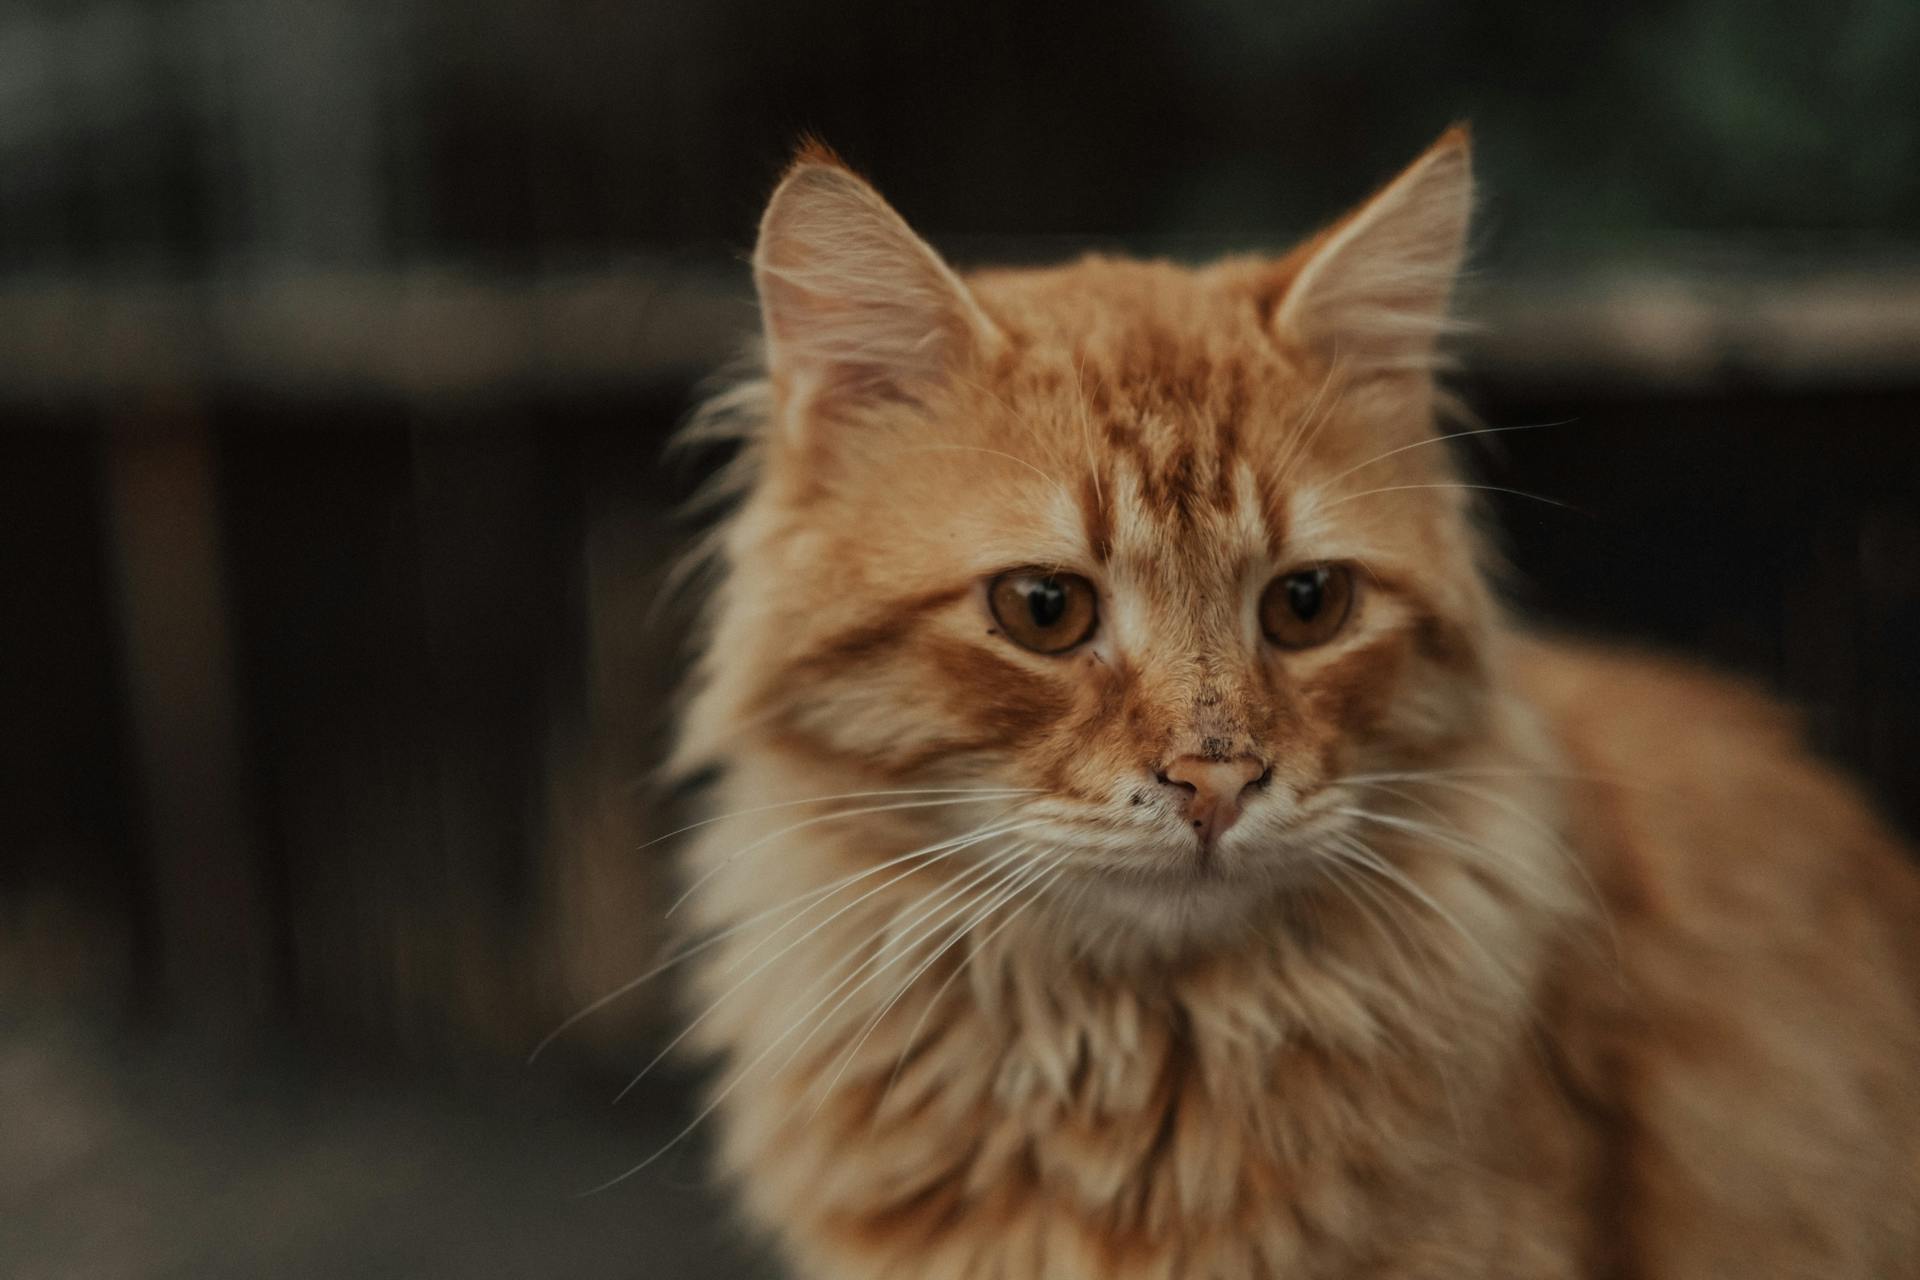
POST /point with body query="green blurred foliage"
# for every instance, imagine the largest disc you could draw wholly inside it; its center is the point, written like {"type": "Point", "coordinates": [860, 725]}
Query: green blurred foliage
{"type": "Point", "coordinates": [525, 132]}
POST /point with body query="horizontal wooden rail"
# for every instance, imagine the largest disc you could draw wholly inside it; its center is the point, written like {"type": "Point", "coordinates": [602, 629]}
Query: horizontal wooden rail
{"type": "Point", "coordinates": [448, 332]}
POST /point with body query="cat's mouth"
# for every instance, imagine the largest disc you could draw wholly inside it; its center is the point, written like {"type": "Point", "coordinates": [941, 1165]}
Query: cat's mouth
{"type": "Point", "coordinates": [1272, 850]}
{"type": "Point", "coordinates": [1183, 862]}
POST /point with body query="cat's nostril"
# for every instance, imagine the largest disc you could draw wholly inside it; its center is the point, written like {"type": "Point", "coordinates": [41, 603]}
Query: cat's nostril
{"type": "Point", "coordinates": [1203, 774]}
{"type": "Point", "coordinates": [1212, 789]}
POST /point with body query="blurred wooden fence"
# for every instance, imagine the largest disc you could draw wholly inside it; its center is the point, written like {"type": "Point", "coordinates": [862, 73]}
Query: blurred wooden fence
{"type": "Point", "coordinates": [331, 598]}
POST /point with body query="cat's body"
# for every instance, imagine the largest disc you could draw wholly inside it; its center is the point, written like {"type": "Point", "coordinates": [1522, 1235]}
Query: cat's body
{"type": "Point", "coordinates": [1502, 957]}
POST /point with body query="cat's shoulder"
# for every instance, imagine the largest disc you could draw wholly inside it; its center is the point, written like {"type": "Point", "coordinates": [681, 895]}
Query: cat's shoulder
{"type": "Point", "coordinates": [1696, 797]}
{"type": "Point", "coordinates": [1751, 1021]}
{"type": "Point", "coordinates": [1640, 704]}
{"type": "Point", "coordinates": [1689, 783]}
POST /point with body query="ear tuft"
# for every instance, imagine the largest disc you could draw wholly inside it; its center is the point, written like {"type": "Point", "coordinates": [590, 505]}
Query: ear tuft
{"type": "Point", "coordinates": [1373, 289]}
{"type": "Point", "coordinates": [811, 149]}
{"type": "Point", "coordinates": [855, 306]}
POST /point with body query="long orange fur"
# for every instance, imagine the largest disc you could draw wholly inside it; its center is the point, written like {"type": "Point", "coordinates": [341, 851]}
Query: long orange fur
{"type": "Point", "coordinates": [1533, 959]}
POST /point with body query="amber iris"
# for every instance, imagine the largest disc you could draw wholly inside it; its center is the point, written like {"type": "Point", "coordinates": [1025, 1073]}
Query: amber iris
{"type": "Point", "coordinates": [1307, 607]}
{"type": "Point", "coordinates": [1044, 612]}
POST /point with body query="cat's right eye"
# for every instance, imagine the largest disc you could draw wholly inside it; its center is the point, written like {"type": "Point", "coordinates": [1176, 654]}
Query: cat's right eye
{"type": "Point", "coordinates": [1044, 612]}
{"type": "Point", "coordinates": [1305, 608]}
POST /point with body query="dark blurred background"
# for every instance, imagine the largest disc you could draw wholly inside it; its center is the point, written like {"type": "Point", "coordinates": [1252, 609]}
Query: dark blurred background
{"type": "Point", "coordinates": [338, 346]}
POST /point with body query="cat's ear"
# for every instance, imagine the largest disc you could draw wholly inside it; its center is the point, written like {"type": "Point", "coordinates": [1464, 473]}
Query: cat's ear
{"type": "Point", "coordinates": [855, 306]}
{"type": "Point", "coordinates": [1372, 291]}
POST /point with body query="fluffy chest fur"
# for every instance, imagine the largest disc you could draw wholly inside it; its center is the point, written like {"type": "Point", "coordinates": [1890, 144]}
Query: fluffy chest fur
{"type": "Point", "coordinates": [1349, 1087]}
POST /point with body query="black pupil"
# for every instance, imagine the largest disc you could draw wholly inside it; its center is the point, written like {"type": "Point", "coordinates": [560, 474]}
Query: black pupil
{"type": "Point", "coordinates": [1305, 595]}
{"type": "Point", "coordinates": [1047, 602]}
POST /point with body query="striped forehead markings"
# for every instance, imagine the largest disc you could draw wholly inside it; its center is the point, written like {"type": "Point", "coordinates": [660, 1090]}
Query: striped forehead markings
{"type": "Point", "coordinates": [1150, 479]}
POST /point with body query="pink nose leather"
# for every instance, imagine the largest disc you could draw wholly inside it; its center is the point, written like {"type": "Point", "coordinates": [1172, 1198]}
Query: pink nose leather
{"type": "Point", "coordinates": [1214, 789]}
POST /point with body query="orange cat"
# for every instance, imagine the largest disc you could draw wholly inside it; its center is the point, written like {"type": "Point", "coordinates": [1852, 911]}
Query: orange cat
{"type": "Point", "coordinates": [1151, 851]}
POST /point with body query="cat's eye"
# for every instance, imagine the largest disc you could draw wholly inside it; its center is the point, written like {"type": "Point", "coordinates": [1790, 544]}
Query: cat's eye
{"type": "Point", "coordinates": [1308, 606]}
{"type": "Point", "coordinates": [1044, 612]}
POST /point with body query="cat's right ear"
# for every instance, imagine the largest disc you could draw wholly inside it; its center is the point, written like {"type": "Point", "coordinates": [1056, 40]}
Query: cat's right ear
{"type": "Point", "coordinates": [856, 308]}
{"type": "Point", "coordinates": [1373, 290]}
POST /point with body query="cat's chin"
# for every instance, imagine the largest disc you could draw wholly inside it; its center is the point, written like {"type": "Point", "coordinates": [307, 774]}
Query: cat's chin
{"type": "Point", "coordinates": [1179, 904]}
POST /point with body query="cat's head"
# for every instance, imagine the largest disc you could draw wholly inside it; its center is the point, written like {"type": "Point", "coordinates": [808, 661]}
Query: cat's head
{"type": "Point", "coordinates": [1173, 550]}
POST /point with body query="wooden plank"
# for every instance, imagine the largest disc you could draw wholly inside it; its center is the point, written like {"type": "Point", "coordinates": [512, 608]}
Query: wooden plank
{"type": "Point", "coordinates": [427, 334]}
{"type": "Point", "coordinates": [210, 923]}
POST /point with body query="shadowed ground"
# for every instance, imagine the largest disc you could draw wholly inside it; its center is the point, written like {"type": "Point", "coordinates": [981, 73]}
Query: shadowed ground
{"type": "Point", "coordinates": [127, 1158]}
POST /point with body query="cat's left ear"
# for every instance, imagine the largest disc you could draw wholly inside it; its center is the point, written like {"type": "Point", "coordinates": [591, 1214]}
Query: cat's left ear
{"type": "Point", "coordinates": [1373, 290]}
{"type": "Point", "coordinates": [856, 307]}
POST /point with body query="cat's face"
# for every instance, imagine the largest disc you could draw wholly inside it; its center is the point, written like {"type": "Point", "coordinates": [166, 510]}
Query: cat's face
{"type": "Point", "coordinates": [1175, 552]}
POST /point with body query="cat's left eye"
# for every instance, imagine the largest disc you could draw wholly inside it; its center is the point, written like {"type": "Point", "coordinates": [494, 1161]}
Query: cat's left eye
{"type": "Point", "coordinates": [1307, 607]}
{"type": "Point", "coordinates": [1044, 612]}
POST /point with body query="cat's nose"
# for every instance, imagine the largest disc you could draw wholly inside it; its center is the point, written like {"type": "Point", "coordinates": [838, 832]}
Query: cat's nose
{"type": "Point", "coordinates": [1214, 790]}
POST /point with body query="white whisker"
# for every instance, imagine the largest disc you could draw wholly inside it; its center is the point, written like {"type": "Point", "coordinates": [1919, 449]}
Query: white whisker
{"type": "Point", "coordinates": [1310, 425]}
{"type": "Point", "coordinates": [1036, 866]}
{"type": "Point", "coordinates": [1520, 813]}
{"type": "Point", "coordinates": [944, 851]}
{"type": "Point", "coordinates": [997, 453]}
{"type": "Point", "coordinates": [1086, 430]}
{"type": "Point", "coordinates": [799, 905]}
{"type": "Point", "coordinates": [1365, 856]}
{"type": "Point", "coordinates": [739, 1078]}
{"type": "Point", "coordinates": [1422, 775]}
{"type": "Point", "coordinates": [1060, 863]}
{"type": "Point", "coordinates": [1339, 871]}
{"type": "Point", "coordinates": [845, 795]}
{"type": "Point", "coordinates": [804, 823]}
{"type": "Point", "coordinates": [1008, 866]}
{"type": "Point", "coordinates": [1440, 439]}
{"type": "Point", "coordinates": [1341, 875]}
{"type": "Point", "coordinates": [1452, 484]}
